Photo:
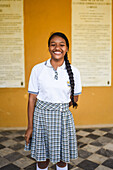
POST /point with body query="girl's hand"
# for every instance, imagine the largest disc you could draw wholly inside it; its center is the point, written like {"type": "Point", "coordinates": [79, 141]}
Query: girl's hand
{"type": "Point", "coordinates": [28, 135]}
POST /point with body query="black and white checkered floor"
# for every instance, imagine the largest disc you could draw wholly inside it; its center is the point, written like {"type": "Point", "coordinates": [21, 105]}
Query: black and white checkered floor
{"type": "Point", "coordinates": [95, 148]}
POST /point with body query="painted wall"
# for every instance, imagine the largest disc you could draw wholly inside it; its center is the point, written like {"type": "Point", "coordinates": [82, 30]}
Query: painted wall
{"type": "Point", "coordinates": [42, 18]}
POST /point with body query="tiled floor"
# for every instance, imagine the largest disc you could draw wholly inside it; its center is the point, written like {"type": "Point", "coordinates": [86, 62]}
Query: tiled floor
{"type": "Point", "coordinates": [95, 148]}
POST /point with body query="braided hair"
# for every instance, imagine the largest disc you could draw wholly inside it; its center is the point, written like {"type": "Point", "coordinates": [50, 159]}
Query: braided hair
{"type": "Point", "coordinates": [68, 66]}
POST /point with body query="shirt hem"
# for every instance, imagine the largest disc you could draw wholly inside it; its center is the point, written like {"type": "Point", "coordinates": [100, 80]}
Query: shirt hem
{"type": "Point", "coordinates": [51, 101]}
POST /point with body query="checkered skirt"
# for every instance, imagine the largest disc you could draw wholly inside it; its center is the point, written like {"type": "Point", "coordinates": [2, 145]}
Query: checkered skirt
{"type": "Point", "coordinates": [54, 133]}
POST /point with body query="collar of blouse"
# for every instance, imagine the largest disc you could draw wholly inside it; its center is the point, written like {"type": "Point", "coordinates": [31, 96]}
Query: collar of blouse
{"type": "Point", "coordinates": [47, 63]}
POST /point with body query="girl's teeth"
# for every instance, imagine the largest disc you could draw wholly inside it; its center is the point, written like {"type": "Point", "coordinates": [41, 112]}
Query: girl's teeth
{"type": "Point", "coordinates": [57, 52]}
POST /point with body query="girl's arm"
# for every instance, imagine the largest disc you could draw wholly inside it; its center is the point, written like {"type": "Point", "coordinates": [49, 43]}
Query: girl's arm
{"type": "Point", "coordinates": [75, 99]}
{"type": "Point", "coordinates": [31, 105]}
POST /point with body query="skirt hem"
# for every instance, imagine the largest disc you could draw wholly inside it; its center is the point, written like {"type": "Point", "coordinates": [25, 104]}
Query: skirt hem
{"type": "Point", "coordinates": [53, 161]}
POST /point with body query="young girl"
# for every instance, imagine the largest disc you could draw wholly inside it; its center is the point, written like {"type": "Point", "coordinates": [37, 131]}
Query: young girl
{"type": "Point", "coordinates": [51, 134]}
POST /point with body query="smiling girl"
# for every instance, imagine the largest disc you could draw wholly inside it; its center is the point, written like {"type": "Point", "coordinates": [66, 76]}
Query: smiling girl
{"type": "Point", "coordinates": [54, 86]}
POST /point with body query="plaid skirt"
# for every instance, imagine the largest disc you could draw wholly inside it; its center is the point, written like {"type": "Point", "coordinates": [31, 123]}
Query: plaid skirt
{"type": "Point", "coordinates": [54, 133]}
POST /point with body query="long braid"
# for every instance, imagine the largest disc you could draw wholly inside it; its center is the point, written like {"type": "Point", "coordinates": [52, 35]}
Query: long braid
{"type": "Point", "coordinates": [70, 73]}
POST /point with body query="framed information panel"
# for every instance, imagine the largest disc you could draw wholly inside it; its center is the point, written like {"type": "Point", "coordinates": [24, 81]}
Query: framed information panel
{"type": "Point", "coordinates": [91, 40]}
{"type": "Point", "coordinates": [11, 44]}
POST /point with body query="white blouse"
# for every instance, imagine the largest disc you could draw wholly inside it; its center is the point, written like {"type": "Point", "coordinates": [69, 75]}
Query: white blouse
{"type": "Point", "coordinates": [53, 87]}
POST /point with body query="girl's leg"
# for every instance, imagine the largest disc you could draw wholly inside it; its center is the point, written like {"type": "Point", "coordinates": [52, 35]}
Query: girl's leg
{"type": "Point", "coordinates": [43, 164]}
{"type": "Point", "coordinates": [61, 166]}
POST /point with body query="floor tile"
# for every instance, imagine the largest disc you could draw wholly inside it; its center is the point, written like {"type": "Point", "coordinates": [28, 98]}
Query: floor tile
{"type": "Point", "coordinates": [97, 158]}
{"type": "Point", "coordinates": [1, 135]}
{"type": "Point", "coordinates": [99, 132]}
{"type": "Point", "coordinates": [88, 130]}
{"type": "Point", "coordinates": [90, 148]}
{"type": "Point", "coordinates": [105, 152]}
{"type": "Point", "coordinates": [16, 146]}
{"type": "Point", "coordinates": [92, 136]}
{"type": "Point", "coordinates": [78, 136]}
{"type": "Point", "coordinates": [3, 138]}
{"type": "Point", "coordinates": [6, 132]}
{"type": "Point", "coordinates": [19, 138]}
{"type": "Point", "coordinates": [105, 129]}
{"type": "Point", "coordinates": [31, 167]}
{"type": "Point", "coordinates": [108, 163]}
{"type": "Point", "coordinates": [72, 163]}
{"type": "Point", "coordinates": [96, 143]}
{"type": "Point", "coordinates": [88, 165]}
{"type": "Point", "coordinates": [13, 135]}
{"type": "Point", "coordinates": [111, 131]}
{"type": "Point", "coordinates": [69, 166]}
{"type": "Point", "coordinates": [23, 162]}
{"type": "Point", "coordinates": [3, 162]}
{"type": "Point", "coordinates": [9, 143]}
{"type": "Point", "coordinates": [2, 146]}
{"type": "Point", "coordinates": [81, 144]}
{"type": "Point", "coordinates": [82, 133]}
{"type": "Point", "coordinates": [5, 151]}
{"type": "Point", "coordinates": [10, 167]}
{"type": "Point", "coordinates": [76, 168]}
{"type": "Point", "coordinates": [52, 167]}
{"type": "Point", "coordinates": [77, 130]}
{"type": "Point", "coordinates": [108, 146]}
{"type": "Point", "coordinates": [13, 156]}
{"type": "Point", "coordinates": [25, 153]}
{"type": "Point", "coordinates": [101, 167]}
{"type": "Point", "coordinates": [29, 156]}
{"type": "Point", "coordinates": [21, 132]}
{"type": "Point", "coordinates": [86, 140]}
{"type": "Point", "coordinates": [109, 135]}
{"type": "Point", "coordinates": [104, 140]}
{"type": "Point", "coordinates": [83, 154]}
{"type": "Point", "coordinates": [22, 142]}
{"type": "Point", "coordinates": [77, 161]}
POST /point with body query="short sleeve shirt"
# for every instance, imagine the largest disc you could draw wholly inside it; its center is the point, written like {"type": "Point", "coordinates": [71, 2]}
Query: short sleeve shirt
{"type": "Point", "coordinates": [43, 83]}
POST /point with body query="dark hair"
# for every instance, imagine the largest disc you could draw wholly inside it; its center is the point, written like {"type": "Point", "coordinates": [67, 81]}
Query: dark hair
{"type": "Point", "coordinates": [68, 66]}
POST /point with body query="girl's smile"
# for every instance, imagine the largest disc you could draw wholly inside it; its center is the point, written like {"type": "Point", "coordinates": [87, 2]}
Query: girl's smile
{"type": "Point", "coordinates": [57, 52]}
{"type": "Point", "coordinates": [57, 48]}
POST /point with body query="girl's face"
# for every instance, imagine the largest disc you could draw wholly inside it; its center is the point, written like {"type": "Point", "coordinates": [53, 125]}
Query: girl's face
{"type": "Point", "coordinates": [57, 48]}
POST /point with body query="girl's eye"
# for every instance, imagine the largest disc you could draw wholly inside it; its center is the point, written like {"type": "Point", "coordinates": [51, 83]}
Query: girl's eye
{"type": "Point", "coordinates": [54, 45]}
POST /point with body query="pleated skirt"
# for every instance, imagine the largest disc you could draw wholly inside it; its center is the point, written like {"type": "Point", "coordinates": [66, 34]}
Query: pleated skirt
{"type": "Point", "coordinates": [54, 133]}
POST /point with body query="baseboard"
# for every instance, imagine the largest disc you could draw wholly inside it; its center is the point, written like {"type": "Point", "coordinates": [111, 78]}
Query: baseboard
{"type": "Point", "coordinates": [13, 128]}
{"type": "Point", "coordinates": [76, 126]}
{"type": "Point", "coordinates": [94, 126]}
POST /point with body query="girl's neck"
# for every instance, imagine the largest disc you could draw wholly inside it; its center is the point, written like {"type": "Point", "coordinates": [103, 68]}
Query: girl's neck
{"type": "Point", "coordinates": [56, 63]}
